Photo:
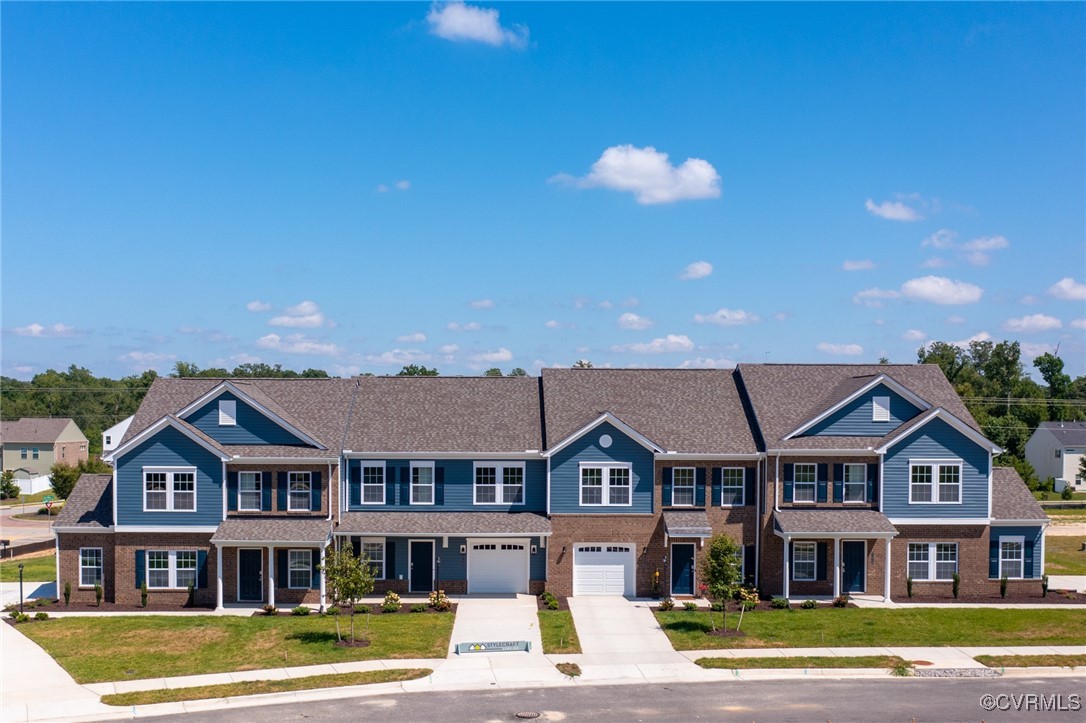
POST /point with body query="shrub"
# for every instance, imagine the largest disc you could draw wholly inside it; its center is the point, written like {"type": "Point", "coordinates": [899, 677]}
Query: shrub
{"type": "Point", "coordinates": [956, 584]}
{"type": "Point", "coordinates": [552, 603]}
{"type": "Point", "coordinates": [903, 669]}
{"type": "Point", "coordinates": [270, 610]}
{"type": "Point", "coordinates": [439, 601]}
{"type": "Point", "coordinates": [667, 604]}
{"type": "Point", "coordinates": [841, 601]}
{"type": "Point", "coordinates": [67, 592]}
{"type": "Point", "coordinates": [1044, 586]}
{"type": "Point", "coordinates": [1003, 586]}
{"type": "Point", "coordinates": [331, 610]}
{"type": "Point", "coordinates": [300, 611]}
{"type": "Point", "coordinates": [809, 605]}
{"type": "Point", "coordinates": [143, 594]}
{"type": "Point", "coordinates": [749, 605]}
{"type": "Point", "coordinates": [418, 608]}
{"type": "Point", "coordinates": [690, 606]}
{"type": "Point", "coordinates": [98, 593]}
{"type": "Point", "coordinates": [13, 612]}
{"type": "Point", "coordinates": [909, 586]}
{"type": "Point", "coordinates": [1067, 493]}
{"type": "Point", "coordinates": [779, 603]}
{"type": "Point", "coordinates": [391, 603]}
{"type": "Point", "coordinates": [21, 618]}
{"type": "Point", "coordinates": [716, 606]}
{"type": "Point", "coordinates": [192, 595]}
{"type": "Point", "coordinates": [1044, 495]}
{"type": "Point", "coordinates": [362, 609]}
{"type": "Point", "coordinates": [41, 615]}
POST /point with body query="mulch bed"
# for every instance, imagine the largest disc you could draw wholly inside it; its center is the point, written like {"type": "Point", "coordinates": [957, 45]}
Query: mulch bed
{"type": "Point", "coordinates": [356, 644]}
{"type": "Point", "coordinates": [375, 609]}
{"type": "Point", "coordinates": [719, 633]}
{"type": "Point", "coordinates": [733, 607]}
{"type": "Point", "coordinates": [1055, 597]}
{"type": "Point", "coordinates": [563, 603]}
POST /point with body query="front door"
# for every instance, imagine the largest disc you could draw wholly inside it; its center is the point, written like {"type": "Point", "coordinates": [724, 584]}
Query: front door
{"type": "Point", "coordinates": [853, 566]}
{"type": "Point", "coordinates": [421, 554]}
{"type": "Point", "coordinates": [250, 575]}
{"type": "Point", "coordinates": [682, 568]}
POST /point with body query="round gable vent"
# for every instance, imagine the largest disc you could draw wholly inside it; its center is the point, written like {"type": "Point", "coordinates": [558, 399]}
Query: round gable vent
{"type": "Point", "coordinates": [605, 441]}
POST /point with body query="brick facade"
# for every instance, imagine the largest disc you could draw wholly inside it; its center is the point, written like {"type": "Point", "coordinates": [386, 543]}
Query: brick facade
{"type": "Point", "coordinates": [70, 544]}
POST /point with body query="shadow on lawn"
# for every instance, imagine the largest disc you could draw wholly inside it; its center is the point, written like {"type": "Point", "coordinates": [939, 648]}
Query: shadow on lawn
{"type": "Point", "coordinates": [313, 637]}
{"type": "Point", "coordinates": [687, 626]}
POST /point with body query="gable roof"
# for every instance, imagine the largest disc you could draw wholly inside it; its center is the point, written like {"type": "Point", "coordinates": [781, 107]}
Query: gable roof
{"type": "Point", "coordinates": [1066, 433]}
{"type": "Point", "coordinates": [694, 411]}
{"type": "Point", "coordinates": [89, 505]}
{"type": "Point", "coordinates": [880, 380]}
{"type": "Point", "coordinates": [445, 414]}
{"type": "Point", "coordinates": [1011, 499]}
{"type": "Point", "coordinates": [196, 435]}
{"type": "Point", "coordinates": [613, 421]}
{"type": "Point", "coordinates": [938, 413]}
{"type": "Point", "coordinates": [34, 430]}
{"type": "Point", "coordinates": [253, 396]}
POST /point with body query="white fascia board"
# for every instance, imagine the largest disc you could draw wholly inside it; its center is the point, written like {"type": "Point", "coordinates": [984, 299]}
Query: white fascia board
{"type": "Point", "coordinates": [617, 423]}
{"type": "Point", "coordinates": [939, 413]}
{"type": "Point", "coordinates": [341, 533]}
{"type": "Point", "coordinates": [228, 387]}
{"type": "Point", "coordinates": [728, 456]}
{"type": "Point", "coordinates": [907, 521]}
{"type": "Point", "coordinates": [882, 380]}
{"type": "Point", "coordinates": [867, 451]}
{"type": "Point", "coordinates": [82, 530]}
{"type": "Point", "coordinates": [296, 544]}
{"type": "Point", "coordinates": [154, 429]}
{"type": "Point", "coordinates": [238, 459]}
{"type": "Point", "coordinates": [1021, 523]}
{"type": "Point", "coordinates": [179, 529]}
{"type": "Point", "coordinates": [416, 454]}
{"type": "Point", "coordinates": [809, 536]}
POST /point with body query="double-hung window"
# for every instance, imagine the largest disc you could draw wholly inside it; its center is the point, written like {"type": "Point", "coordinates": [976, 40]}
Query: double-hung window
{"type": "Point", "coordinates": [422, 483]}
{"type": "Point", "coordinates": [499, 484]}
{"type": "Point", "coordinates": [731, 487]}
{"type": "Point", "coordinates": [855, 487]}
{"type": "Point", "coordinates": [171, 569]}
{"type": "Point", "coordinates": [932, 560]}
{"type": "Point", "coordinates": [249, 492]}
{"type": "Point", "coordinates": [22, 453]}
{"type": "Point", "coordinates": [682, 486]}
{"type": "Point", "coordinates": [34, 452]}
{"type": "Point", "coordinates": [935, 482]}
{"type": "Point", "coordinates": [300, 569]}
{"type": "Point", "coordinates": [1011, 557]}
{"type": "Point", "coordinates": [90, 566]}
{"type": "Point", "coordinates": [804, 555]}
{"type": "Point", "coordinates": [605, 484]}
{"type": "Point", "coordinates": [299, 491]}
{"type": "Point", "coordinates": [805, 482]}
{"type": "Point", "coordinates": [373, 484]}
{"type": "Point", "coordinates": [169, 489]}
{"type": "Point", "coordinates": [374, 551]}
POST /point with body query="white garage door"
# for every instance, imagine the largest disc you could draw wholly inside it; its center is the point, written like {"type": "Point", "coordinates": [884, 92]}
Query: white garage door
{"type": "Point", "coordinates": [603, 569]}
{"type": "Point", "coordinates": [498, 566]}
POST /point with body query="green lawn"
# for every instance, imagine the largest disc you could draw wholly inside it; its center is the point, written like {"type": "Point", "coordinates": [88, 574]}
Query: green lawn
{"type": "Point", "coordinates": [1032, 661]}
{"type": "Point", "coordinates": [558, 632]}
{"type": "Point", "coordinates": [37, 497]}
{"type": "Point", "coordinates": [42, 568]}
{"type": "Point", "coordinates": [1064, 512]}
{"type": "Point", "coordinates": [1056, 496]}
{"type": "Point", "coordinates": [97, 649]}
{"type": "Point", "coordinates": [856, 627]}
{"type": "Point", "coordinates": [803, 661]}
{"type": "Point", "coordinates": [1064, 555]}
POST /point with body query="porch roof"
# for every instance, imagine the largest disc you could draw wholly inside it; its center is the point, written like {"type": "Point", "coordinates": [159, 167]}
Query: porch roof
{"type": "Point", "coordinates": [461, 524]}
{"type": "Point", "coordinates": [687, 523]}
{"type": "Point", "coordinates": [832, 523]}
{"type": "Point", "coordinates": [314, 530]}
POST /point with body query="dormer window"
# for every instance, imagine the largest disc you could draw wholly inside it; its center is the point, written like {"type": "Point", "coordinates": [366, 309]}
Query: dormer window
{"type": "Point", "coordinates": [880, 409]}
{"type": "Point", "coordinates": [228, 413]}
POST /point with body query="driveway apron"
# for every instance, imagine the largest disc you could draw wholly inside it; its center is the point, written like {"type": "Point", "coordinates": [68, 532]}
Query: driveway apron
{"type": "Point", "coordinates": [621, 638]}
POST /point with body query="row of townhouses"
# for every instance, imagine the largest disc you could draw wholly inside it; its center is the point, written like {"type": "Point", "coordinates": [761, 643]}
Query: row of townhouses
{"type": "Point", "coordinates": [834, 479]}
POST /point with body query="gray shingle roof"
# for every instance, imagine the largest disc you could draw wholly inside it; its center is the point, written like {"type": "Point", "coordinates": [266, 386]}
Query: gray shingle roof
{"type": "Point", "coordinates": [446, 414]}
{"type": "Point", "coordinates": [1067, 433]}
{"type": "Point", "coordinates": [444, 523]}
{"type": "Point", "coordinates": [684, 410]}
{"type": "Point", "coordinates": [313, 530]}
{"type": "Point", "coordinates": [784, 396]}
{"type": "Point", "coordinates": [90, 504]}
{"type": "Point", "coordinates": [1011, 499]}
{"type": "Point", "coordinates": [40, 430]}
{"type": "Point", "coordinates": [832, 522]}
{"type": "Point", "coordinates": [687, 523]}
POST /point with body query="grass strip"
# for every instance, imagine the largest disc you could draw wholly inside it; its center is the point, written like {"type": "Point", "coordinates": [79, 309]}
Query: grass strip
{"type": "Point", "coordinates": [259, 687]}
{"type": "Point", "coordinates": [1031, 661]}
{"type": "Point", "coordinates": [874, 627]}
{"type": "Point", "coordinates": [802, 661]}
{"type": "Point", "coordinates": [41, 568]}
{"type": "Point", "coordinates": [558, 632]}
{"type": "Point", "coordinates": [1064, 555]}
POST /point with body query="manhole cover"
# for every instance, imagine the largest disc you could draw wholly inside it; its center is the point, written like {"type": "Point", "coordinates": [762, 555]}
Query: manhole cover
{"type": "Point", "coordinates": [528, 714]}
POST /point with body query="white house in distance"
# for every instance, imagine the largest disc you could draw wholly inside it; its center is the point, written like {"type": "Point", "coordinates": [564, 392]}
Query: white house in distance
{"type": "Point", "coordinates": [112, 436]}
{"type": "Point", "coordinates": [1056, 449]}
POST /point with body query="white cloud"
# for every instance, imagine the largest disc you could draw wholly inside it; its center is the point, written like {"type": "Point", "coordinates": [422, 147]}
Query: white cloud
{"type": "Point", "coordinates": [258, 305]}
{"type": "Point", "coordinates": [469, 326]}
{"type": "Point", "coordinates": [944, 238]}
{"type": "Point", "coordinates": [872, 298]}
{"type": "Point", "coordinates": [955, 319]}
{"type": "Point", "coordinates": [45, 332]}
{"type": "Point", "coordinates": [460, 22]}
{"type": "Point", "coordinates": [935, 262]}
{"type": "Point", "coordinates": [840, 349]}
{"type": "Point", "coordinates": [986, 243]}
{"type": "Point", "coordinates": [296, 344]}
{"type": "Point", "coordinates": [941, 290]}
{"type": "Point", "coordinates": [399, 186]}
{"type": "Point", "coordinates": [1029, 299]}
{"type": "Point", "coordinates": [403, 185]}
{"type": "Point", "coordinates": [858, 265]}
{"type": "Point", "coordinates": [553, 324]}
{"type": "Point", "coordinates": [146, 357]}
{"type": "Point", "coordinates": [493, 357]}
{"type": "Point", "coordinates": [728, 317]}
{"type": "Point", "coordinates": [632, 321]}
{"type": "Point", "coordinates": [979, 336]}
{"type": "Point", "coordinates": [397, 356]}
{"type": "Point", "coordinates": [630, 302]}
{"type": "Point", "coordinates": [708, 363]}
{"type": "Point", "coordinates": [914, 335]}
{"type": "Point", "coordinates": [448, 348]}
{"type": "Point", "coordinates": [244, 358]}
{"type": "Point", "coordinates": [892, 210]}
{"type": "Point", "coordinates": [649, 175]}
{"type": "Point", "coordinates": [1068, 289]}
{"type": "Point", "coordinates": [417, 338]}
{"type": "Point", "coordinates": [1078, 323]}
{"type": "Point", "coordinates": [1033, 350]}
{"type": "Point", "coordinates": [306, 315]}
{"type": "Point", "coordinates": [482, 304]}
{"type": "Point", "coordinates": [1032, 324]}
{"type": "Point", "coordinates": [783, 315]}
{"type": "Point", "coordinates": [662, 345]}
{"type": "Point", "coordinates": [696, 270]}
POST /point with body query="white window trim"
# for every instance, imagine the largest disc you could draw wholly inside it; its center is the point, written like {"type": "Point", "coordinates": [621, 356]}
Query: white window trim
{"type": "Point", "coordinates": [605, 488]}
{"type": "Point", "coordinates": [100, 567]}
{"type": "Point", "coordinates": [813, 483]}
{"type": "Point", "coordinates": [814, 567]}
{"type": "Point", "coordinates": [499, 481]}
{"type": "Point", "coordinates": [933, 559]}
{"type": "Point", "coordinates": [228, 413]}
{"type": "Point", "coordinates": [432, 485]}
{"type": "Point", "coordinates": [259, 491]}
{"type": "Point", "coordinates": [309, 568]}
{"type": "Point", "coordinates": [170, 472]}
{"type": "Point", "coordinates": [880, 409]}
{"type": "Point", "coordinates": [742, 487]}
{"type": "Point", "coordinates": [290, 493]}
{"type": "Point", "coordinates": [1021, 540]}
{"type": "Point", "coordinates": [362, 481]}
{"type": "Point", "coordinates": [693, 487]}
{"type": "Point", "coordinates": [384, 554]}
{"type": "Point", "coordinates": [936, 465]}
{"type": "Point", "coordinates": [172, 569]}
{"type": "Point", "coordinates": [844, 483]}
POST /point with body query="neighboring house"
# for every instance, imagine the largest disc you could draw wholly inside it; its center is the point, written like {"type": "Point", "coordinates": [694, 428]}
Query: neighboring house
{"type": "Point", "coordinates": [32, 445]}
{"type": "Point", "coordinates": [111, 438]}
{"type": "Point", "coordinates": [1055, 450]}
{"type": "Point", "coordinates": [832, 478]}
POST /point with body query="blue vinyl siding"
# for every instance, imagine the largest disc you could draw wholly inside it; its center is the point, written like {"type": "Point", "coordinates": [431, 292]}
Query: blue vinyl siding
{"type": "Point", "coordinates": [1032, 548]}
{"type": "Point", "coordinates": [936, 440]}
{"type": "Point", "coordinates": [252, 427]}
{"type": "Point", "coordinates": [169, 448]}
{"type": "Point", "coordinates": [454, 487]}
{"type": "Point", "coordinates": [566, 476]}
{"type": "Point", "coordinates": [854, 419]}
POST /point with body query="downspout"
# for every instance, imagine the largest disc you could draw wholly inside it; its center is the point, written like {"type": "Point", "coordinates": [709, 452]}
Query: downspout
{"type": "Point", "coordinates": [776, 485]}
{"type": "Point", "coordinates": [225, 502]}
{"type": "Point", "coordinates": [330, 491]}
{"type": "Point", "coordinates": [758, 517]}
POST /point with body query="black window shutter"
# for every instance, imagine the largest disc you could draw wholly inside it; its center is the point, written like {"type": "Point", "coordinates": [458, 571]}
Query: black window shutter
{"type": "Point", "coordinates": [873, 483]}
{"type": "Point", "coordinates": [748, 565]}
{"type": "Point", "coordinates": [1027, 559]}
{"type": "Point", "coordinates": [282, 492]}
{"type": "Point", "coordinates": [266, 491]}
{"type": "Point", "coordinates": [821, 554]}
{"type": "Point", "coordinates": [823, 471]}
{"type": "Point", "coordinates": [390, 559]}
{"type": "Point", "coordinates": [439, 485]}
{"type": "Point", "coordinates": [282, 572]}
{"type": "Point", "coordinates": [232, 491]}
{"type": "Point", "coordinates": [718, 476]}
{"type": "Point", "coordinates": [789, 476]}
{"type": "Point", "coordinates": [405, 485]}
{"type": "Point", "coordinates": [201, 569]}
{"type": "Point", "coordinates": [315, 492]}
{"type": "Point", "coordinates": [354, 483]}
{"type": "Point", "coordinates": [356, 546]}
{"type": "Point", "coordinates": [838, 483]}
{"type": "Point", "coordinates": [666, 474]}
{"type": "Point", "coordinates": [315, 559]}
{"type": "Point", "coordinates": [750, 476]}
{"type": "Point", "coordinates": [390, 485]}
{"type": "Point", "coordinates": [699, 487]}
{"type": "Point", "coordinates": [993, 558]}
{"type": "Point", "coordinates": [141, 567]}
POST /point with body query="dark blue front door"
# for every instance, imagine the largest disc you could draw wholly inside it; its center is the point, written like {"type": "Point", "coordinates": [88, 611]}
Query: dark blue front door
{"type": "Point", "coordinates": [853, 558]}
{"type": "Point", "coordinates": [250, 575]}
{"type": "Point", "coordinates": [422, 565]}
{"type": "Point", "coordinates": [682, 569]}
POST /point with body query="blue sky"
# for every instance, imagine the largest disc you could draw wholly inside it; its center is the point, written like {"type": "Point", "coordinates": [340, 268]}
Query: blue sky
{"type": "Point", "coordinates": [355, 187]}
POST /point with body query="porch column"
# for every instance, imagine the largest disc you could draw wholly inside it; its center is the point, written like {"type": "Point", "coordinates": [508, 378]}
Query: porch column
{"type": "Point", "coordinates": [787, 567]}
{"type": "Point", "coordinates": [324, 588]}
{"type": "Point", "coordinates": [886, 574]}
{"type": "Point", "coordinates": [836, 566]}
{"type": "Point", "coordinates": [218, 577]}
{"type": "Point", "coordinates": [271, 576]}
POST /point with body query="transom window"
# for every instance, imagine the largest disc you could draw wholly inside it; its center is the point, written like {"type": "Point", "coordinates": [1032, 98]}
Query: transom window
{"type": "Point", "coordinates": [682, 486]}
{"type": "Point", "coordinates": [932, 560]}
{"type": "Point", "coordinates": [499, 484]}
{"type": "Point", "coordinates": [300, 569]}
{"type": "Point", "coordinates": [171, 569]}
{"type": "Point", "coordinates": [249, 491]}
{"type": "Point", "coordinates": [935, 482]}
{"type": "Point", "coordinates": [300, 491]}
{"type": "Point", "coordinates": [1011, 557]}
{"type": "Point", "coordinates": [167, 489]}
{"type": "Point", "coordinates": [90, 566]}
{"type": "Point", "coordinates": [804, 483]}
{"type": "Point", "coordinates": [374, 550]}
{"type": "Point", "coordinates": [731, 486]}
{"type": "Point", "coordinates": [605, 485]}
{"type": "Point", "coordinates": [804, 555]}
{"type": "Point", "coordinates": [855, 483]}
{"type": "Point", "coordinates": [422, 483]}
{"type": "Point", "coordinates": [373, 484]}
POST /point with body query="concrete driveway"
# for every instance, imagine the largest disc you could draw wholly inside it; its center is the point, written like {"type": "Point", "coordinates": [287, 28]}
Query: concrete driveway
{"type": "Point", "coordinates": [621, 639]}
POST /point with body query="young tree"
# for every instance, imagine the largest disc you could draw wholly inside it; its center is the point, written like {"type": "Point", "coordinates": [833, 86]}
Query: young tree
{"type": "Point", "coordinates": [62, 479]}
{"type": "Point", "coordinates": [348, 578]}
{"type": "Point", "coordinates": [722, 571]}
{"type": "Point", "coordinates": [8, 488]}
{"type": "Point", "coordinates": [416, 370]}
{"type": "Point", "coordinates": [583, 364]}
{"type": "Point", "coordinates": [517, 372]}
{"type": "Point", "coordinates": [492, 372]}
